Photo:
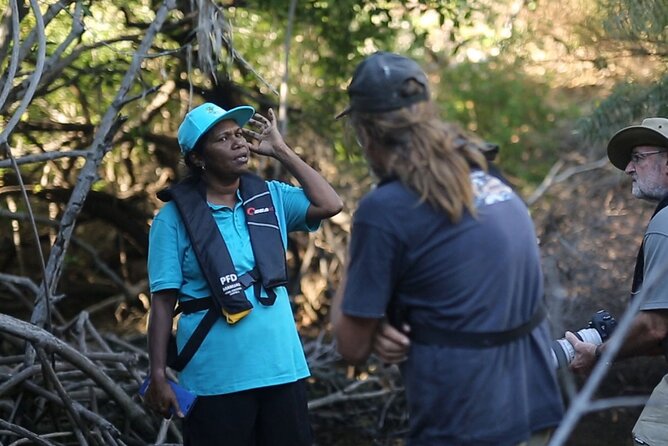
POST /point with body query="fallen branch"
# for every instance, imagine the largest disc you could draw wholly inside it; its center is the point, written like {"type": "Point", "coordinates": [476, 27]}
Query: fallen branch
{"type": "Point", "coordinates": [348, 394]}
{"type": "Point", "coordinates": [103, 137]}
{"type": "Point", "coordinates": [88, 415]}
{"type": "Point", "coordinates": [25, 433]}
{"type": "Point", "coordinates": [552, 178]}
{"type": "Point", "coordinates": [41, 157]}
{"type": "Point", "coordinates": [43, 339]}
{"type": "Point", "coordinates": [18, 378]}
{"type": "Point", "coordinates": [77, 424]}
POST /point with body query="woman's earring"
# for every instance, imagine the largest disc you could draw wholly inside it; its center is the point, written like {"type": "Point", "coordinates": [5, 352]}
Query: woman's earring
{"type": "Point", "coordinates": [203, 167]}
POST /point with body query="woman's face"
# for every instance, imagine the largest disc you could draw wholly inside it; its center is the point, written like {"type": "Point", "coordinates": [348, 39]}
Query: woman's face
{"type": "Point", "coordinates": [225, 150]}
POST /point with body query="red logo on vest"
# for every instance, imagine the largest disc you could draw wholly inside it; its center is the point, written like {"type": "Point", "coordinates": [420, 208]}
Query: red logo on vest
{"type": "Point", "coordinates": [254, 211]}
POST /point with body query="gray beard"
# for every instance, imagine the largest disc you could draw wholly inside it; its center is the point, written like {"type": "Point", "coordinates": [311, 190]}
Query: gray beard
{"type": "Point", "coordinates": [655, 194]}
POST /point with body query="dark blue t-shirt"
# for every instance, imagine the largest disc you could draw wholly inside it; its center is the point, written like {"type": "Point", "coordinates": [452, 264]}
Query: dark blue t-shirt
{"type": "Point", "coordinates": [482, 274]}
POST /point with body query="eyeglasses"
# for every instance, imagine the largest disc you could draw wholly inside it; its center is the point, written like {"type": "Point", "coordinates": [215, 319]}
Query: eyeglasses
{"type": "Point", "coordinates": [639, 156]}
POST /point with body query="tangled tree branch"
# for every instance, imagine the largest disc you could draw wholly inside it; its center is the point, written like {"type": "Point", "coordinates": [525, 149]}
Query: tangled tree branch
{"type": "Point", "coordinates": [110, 123]}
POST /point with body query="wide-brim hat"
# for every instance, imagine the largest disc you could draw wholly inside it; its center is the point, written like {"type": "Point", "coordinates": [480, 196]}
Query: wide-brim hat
{"type": "Point", "coordinates": [378, 81]}
{"type": "Point", "coordinates": [651, 132]}
{"type": "Point", "coordinates": [200, 119]}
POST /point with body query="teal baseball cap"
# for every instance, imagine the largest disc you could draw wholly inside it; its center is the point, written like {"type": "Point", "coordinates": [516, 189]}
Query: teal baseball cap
{"type": "Point", "coordinates": [200, 119]}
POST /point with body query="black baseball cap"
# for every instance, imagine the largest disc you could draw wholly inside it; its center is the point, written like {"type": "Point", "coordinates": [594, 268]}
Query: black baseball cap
{"type": "Point", "coordinates": [377, 84]}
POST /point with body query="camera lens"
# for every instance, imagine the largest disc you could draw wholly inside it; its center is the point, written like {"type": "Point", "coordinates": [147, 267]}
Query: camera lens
{"type": "Point", "coordinates": [563, 352]}
{"type": "Point", "coordinates": [598, 330]}
{"type": "Point", "coordinates": [589, 335]}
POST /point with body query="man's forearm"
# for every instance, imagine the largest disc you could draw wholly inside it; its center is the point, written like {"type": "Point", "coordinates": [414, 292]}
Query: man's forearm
{"type": "Point", "coordinates": [335, 307]}
{"type": "Point", "coordinates": [645, 336]}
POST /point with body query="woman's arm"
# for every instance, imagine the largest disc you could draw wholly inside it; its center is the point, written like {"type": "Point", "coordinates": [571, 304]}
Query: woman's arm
{"type": "Point", "coordinates": [159, 396]}
{"type": "Point", "coordinates": [325, 202]}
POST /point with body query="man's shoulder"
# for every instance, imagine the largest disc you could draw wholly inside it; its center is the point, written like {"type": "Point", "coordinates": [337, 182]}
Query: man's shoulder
{"type": "Point", "coordinates": [387, 192]}
{"type": "Point", "coordinates": [659, 223]}
{"type": "Point", "coordinates": [386, 199]}
{"type": "Point", "coordinates": [662, 214]}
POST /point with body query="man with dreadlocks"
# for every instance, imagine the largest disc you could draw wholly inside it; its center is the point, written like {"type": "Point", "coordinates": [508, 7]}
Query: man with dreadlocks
{"type": "Point", "coordinates": [449, 250]}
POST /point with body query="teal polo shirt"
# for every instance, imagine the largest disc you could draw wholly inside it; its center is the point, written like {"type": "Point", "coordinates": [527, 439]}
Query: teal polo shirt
{"type": "Point", "coordinates": [263, 349]}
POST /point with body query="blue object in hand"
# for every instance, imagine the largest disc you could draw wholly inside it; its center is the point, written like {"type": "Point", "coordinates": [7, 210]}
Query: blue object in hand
{"type": "Point", "coordinates": [185, 398]}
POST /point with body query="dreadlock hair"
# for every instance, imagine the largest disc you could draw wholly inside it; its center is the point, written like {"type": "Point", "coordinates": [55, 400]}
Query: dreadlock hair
{"type": "Point", "coordinates": [429, 156]}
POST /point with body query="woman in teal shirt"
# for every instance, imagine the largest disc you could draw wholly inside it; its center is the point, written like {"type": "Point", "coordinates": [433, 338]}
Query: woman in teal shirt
{"type": "Point", "coordinates": [248, 372]}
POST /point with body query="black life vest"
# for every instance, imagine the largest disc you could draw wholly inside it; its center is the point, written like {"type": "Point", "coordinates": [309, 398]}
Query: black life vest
{"type": "Point", "coordinates": [227, 286]}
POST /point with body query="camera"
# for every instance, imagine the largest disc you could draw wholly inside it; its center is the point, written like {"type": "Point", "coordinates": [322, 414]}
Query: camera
{"type": "Point", "coordinates": [598, 330]}
{"type": "Point", "coordinates": [490, 150]}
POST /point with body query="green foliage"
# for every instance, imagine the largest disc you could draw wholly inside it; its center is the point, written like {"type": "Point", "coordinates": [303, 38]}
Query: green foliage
{"type": "Point", "coordinates": [507, 107]}
{"type": "Point", "coordinates": [637, 29]}
{"type": "Point", "coordinates": [637, 21]}
{"type": "Point", "coordinates": [329, 39]}
{"type": "Point", "coordinates": [627, 105]}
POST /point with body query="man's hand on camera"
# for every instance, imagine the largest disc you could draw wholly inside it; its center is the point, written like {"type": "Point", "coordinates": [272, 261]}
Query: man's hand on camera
{"type": "Point", "coordinates": [585, 355]}
{"type": "Point", "coordinates": [391, 345]}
